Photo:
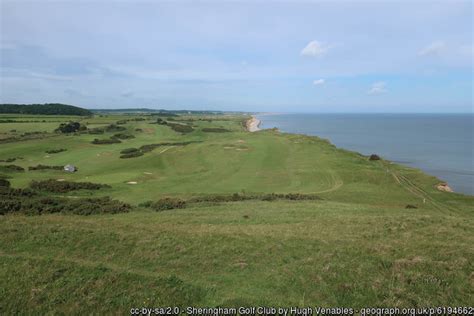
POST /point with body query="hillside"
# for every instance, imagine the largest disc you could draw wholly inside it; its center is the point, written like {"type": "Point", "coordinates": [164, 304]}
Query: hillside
{"type": "Point", "coordinates": [44, 109]}
{"type": "Point", "coordinates": [268, 219]}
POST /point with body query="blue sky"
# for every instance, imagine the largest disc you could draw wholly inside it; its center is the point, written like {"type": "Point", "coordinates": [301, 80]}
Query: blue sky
{"type": "Point", "coordinates": [298, 56]}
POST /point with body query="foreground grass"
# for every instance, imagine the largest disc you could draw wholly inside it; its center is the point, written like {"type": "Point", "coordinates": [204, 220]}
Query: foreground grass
{"type": "Point", "coordinates": [274, 253]}
{"type": "Point", "coordinates": [357, 247]}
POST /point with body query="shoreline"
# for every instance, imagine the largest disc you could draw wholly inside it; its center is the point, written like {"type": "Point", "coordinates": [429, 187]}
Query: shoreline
{"type": "Point", "coordinates": [253, 124]}
{"type": "Point", "coordinates": [442, 185]}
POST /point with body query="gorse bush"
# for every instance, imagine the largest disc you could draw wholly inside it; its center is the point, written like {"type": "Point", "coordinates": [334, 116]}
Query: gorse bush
{"type": "Point", "coordinates": [123, 136]}
{"type": "Point", "coordinates": [161, 121]}
{"type": "Point", "coordinates": [8, 160]}
{"type": "Point", "coordinates": [115, 128]}
{"type": "Point", "coordinates": [174, 203]}
{"type": "Point", "coordinates": [132, 155]}
{"type": "Point", "coordinates": [52, 185]}
{"type": "Point", "coordinates": [45, 167]}
{"type": "Point", "coordinates": [167, 204]}
{"type": "Point", "coordinates": [12, 168]}
{"type": "Point", "coordinates": [28, 202]}
{"type": "Point", "coordinates": [107, 141]}
{"type": "Point", "coordinates": [55, 151]}
{"type": "Point", "coordinates": [180, 128]}
{"type": "Point", "coordinates": [215, 130]}
{"type": "Point", "coordinates": [4, 183]}
{"type": "Point", "coordinates": [129, 150]}
{"type": "Point", "coordinates": [70, 127]}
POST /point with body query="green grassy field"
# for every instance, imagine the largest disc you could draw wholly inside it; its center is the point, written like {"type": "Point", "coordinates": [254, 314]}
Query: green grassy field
{"type": "Point", "coordinates": [358, 246]}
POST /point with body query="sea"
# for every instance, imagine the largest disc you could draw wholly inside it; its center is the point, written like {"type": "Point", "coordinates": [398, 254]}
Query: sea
{"type": "Point", "coordinates": [439, 144]}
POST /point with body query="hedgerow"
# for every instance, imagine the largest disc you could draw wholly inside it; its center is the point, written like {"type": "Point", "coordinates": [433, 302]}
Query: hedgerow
{"type": "Point", "coordinates": [52, 185]}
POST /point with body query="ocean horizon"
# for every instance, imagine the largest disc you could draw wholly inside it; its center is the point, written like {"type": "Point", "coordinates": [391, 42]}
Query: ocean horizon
{"type": "Point", "coordinates": [439, 144]}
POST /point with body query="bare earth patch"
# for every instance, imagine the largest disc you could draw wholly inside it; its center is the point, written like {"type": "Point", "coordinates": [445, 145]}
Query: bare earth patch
{"type": "Point", "coordinates": [444, 187]}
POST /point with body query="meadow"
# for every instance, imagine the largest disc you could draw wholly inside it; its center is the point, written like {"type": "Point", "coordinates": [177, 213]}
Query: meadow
{"type": "Point", "coordinates": [379, 234]}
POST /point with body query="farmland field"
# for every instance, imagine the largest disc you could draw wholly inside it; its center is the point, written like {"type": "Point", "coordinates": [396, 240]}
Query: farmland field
{"type": "Point", "coordinates": [299, 222]}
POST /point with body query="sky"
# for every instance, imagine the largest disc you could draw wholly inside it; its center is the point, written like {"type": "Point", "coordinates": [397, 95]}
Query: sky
{"type": "Point", "coordinates": [266, 56]}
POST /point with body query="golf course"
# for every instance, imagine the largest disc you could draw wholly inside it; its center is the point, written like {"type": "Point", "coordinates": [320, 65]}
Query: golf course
{"type": "Point", "coordinates": [192, 209]}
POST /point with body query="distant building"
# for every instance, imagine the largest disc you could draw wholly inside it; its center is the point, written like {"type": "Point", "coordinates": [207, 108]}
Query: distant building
{"type": "Point", "coordinates": [70, 168]}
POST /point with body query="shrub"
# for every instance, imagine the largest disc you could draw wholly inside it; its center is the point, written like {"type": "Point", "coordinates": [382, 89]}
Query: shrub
{"type": "Point", "coordinates": [129, 150]}
{"type": "Point", "coordinates": [161, 121]}
{"type": "Point", "coordinates": [106, 141]}
{"type": "Point", "coordinates": [410, 206]}
{"type": "Point", "coordinates": [115, 128]}
{"type": "Point", "coordinates": [14, 168]}
{"type": "Point", "coordinates": [180, 128]}
{"type": "Point", "coordinates": [374, 157]}
{"type": "Point", "coordinates": [55, 151]}
{"type": "Point", "coordinates": [45, 167]}
{"type": "Point", "coordinates": [168, 204]}
{"type": "Point", "coordinates": [14, 201]}
{"type": "Point", "coordinates": [123, 136]}
{"type": "Point", "coordinates": [52, 185]}
{"type": "Point", "coordinates": [90, 206]}
{"type": "Point", "coordinates": [4, 183]}
{"type": "Point", "coordinates": [215, 130]}
{"type": "Point", "coordinates": [70, 127]}
{"type": "Point", "coordinates": [8, 160]}
{"type": "Point", "coordinates": [262, 197]}
{"type": "Point", "coordinates": [132, 155]}
{"type": "Point", "coordinates": [146, 204]}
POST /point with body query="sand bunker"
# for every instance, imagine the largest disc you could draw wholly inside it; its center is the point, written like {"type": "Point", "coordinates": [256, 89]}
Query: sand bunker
{"type": "Point", "coordinates": [132, 182]}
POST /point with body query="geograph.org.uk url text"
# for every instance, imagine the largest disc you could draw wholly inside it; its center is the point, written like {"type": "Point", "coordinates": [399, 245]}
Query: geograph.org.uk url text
{"type": "Point", "coordinates": [302, 311]}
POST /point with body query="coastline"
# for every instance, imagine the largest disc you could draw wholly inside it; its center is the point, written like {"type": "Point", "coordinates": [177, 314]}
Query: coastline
{"type": "Point", "coordinates": [253, 124]}
{"type": "Point", "coordinates": [442, 185]}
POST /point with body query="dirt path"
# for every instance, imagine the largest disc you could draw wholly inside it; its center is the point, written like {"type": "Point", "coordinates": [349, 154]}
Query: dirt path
{"type": "Point", "coordinates": [408, 185]}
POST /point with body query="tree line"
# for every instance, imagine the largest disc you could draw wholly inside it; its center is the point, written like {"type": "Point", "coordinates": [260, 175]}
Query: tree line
{"type": "Point", "coordinates": [45, 109]}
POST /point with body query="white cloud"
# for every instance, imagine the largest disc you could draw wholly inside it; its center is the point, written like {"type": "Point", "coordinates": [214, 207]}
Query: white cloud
{"type": "Point", "coordinates": [319, 82]}
{"type": "Point", "coordinates": [378, 88]}
{"type": "Point", "coordinates": [434, 48]}
{"type": "Point", "coordinates": [315, 49]}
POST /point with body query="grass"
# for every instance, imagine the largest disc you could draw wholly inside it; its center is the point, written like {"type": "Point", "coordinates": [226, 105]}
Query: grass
{"type": "Point", "coordinates": [357, 247]}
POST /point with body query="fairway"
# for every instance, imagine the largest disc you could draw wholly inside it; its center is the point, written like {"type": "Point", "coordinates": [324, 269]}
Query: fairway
{"type": "Point", "coordinates": [378, 234]}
